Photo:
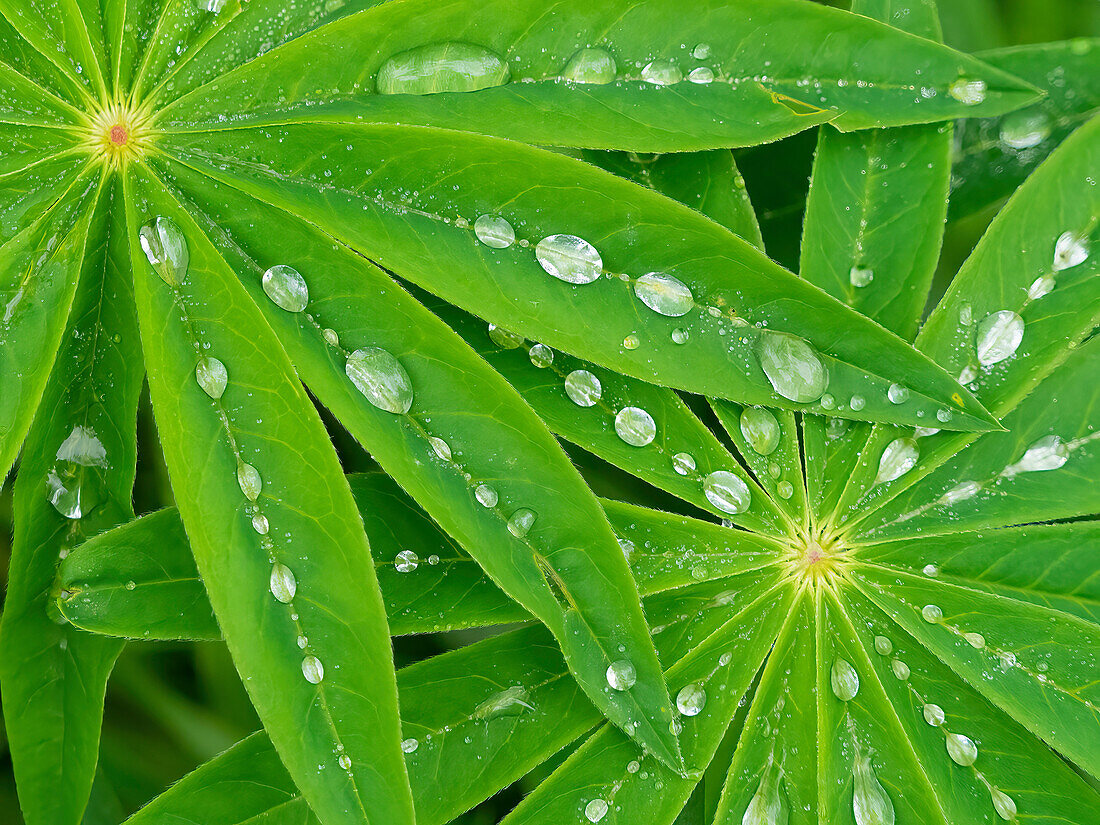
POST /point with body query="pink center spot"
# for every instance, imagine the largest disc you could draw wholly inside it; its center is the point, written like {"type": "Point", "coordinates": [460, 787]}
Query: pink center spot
{"type": "Point", "coordinates": [814, 553]}
{"type": "Point", "coordinates": [119, 135]}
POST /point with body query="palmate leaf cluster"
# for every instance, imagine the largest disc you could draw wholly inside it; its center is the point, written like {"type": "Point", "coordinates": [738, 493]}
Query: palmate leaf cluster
{"type": "Point", "coordinates": [476, 232]}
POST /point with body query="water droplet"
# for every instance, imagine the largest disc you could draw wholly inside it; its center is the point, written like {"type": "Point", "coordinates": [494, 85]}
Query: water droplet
{"type": "Point", "coordinates": [83, 447]}
{"type": "Point", "coordinates": [541, 355]}
{"type": "Point", "coordinates": [633, 766]}
{"type": "Point", "coordinates": [844, 680]}
{"type": "Point", "coordinates": [433, 559]}
{"type": "Point", "coordinates": [975, 640]}
{"type": "Point", "coordinates": [595, 810]}
{"type": "Point", "coordinates": [621, 675]}
{"type": "Point", "coordinates": [662, 73]}
{"type": "Point", "coordinates": [627, 546]}
{"type": "Point", "coordinates": [968, 92]}
{"type": "Point", "coordinates": [701, 51]}
{"type": "Point", "coordinates": [344, 761]}
{"type": "Point", "coordinates": [1024, 129]}
{"type": "Point", "coordinates": [883, 646]}
{"type": "Point", "coordinates": [1003, 804]}
{"type": "Point", "coordinates": [65, 495]}
{"type": "Point", "coordinates": [785, 489]}
{"type": "Point", "coordinates": [494, 231]}
{"type": "Point", "coordinates": [313, 670]}
{"type": "Point", "coordinates": [211, 375]}
{"type": "Point", "coordinates": [1070, 250]}
{"type": "Point", "coordinates": [857, 403]}
{"type": "Point", "coordinates": [508, 702]}
{"type": "Point", "coordinates": [900, 669]}
{"type": "Point", "coordinates": [635, 426]}
{"type": "Point", "coordinates": [406, 561]}
{"type": "Point", "coordinates": [442, 67]}
{"type": "Point", "coordinates": [594, 66]}
{"type": "Point", "coordinates": [381, 379]}
{"type": "Point", "coordinates": [631, 342]}
{"type": "Point", "coordinates": [725, 659]}
{"type": "Point", "coordinates": [760, 428]}
{"type": "Point", "coordinates": [283, 583]}
{"type": "Point", "coordinates": [727, 492]}
{"type": "Point", "coordinates": [683, 463]}
{"type": "Point", "coordinates": [999, 336]}
{"type": "Point", "coordinates": [569, 258]}
{"type": "Point", "coordinates": [943, 415]}
{"type": "Point", "coordinates": [931, 613]}
{"type": "Point", "coordinates": [330, 336]}
{"type": "Point", "coordinates": [583, 388]}
{"type": "Point", "coordinates": [870, 803]}
{"type": "Point", "coordinates": [691, 699]}
{"type": "Point", "coordinates": [286, 288]}
{"type": "Point", "coordinates": [897, 394]}
{"type": "Point", "coordinates": [961, 749]}
{"type": "Point", "coordinates": [701, 75]}
{"type": "Point", "coordinates": [1048, 453]}
{"type": "Point", "coordinates": [680, 335]}
{"type": "Point", "coordinates": [409, 745]}
{"type": "Point", "coordinates": [768, 805]}
{"type": "Point", "coordinates": [503, 338]}
{"type": "Point", "coordinates": [1040, 287]}
{"type": "Point", "coordinates": [836, 427]}
{"type": "Point", "coordinates": [931, 571]}
{"type": "Point", "coordinates": [792, 366]}
{"type": "Point", "coordinates": [664, 294]}
{"type": "Point", "coordinates": [933, 715]}
{"type": "Point", "coordinates": [440, 447]}
{"type": "Point", "coordinates": [166, 248]}
{"type": "Point", "coordinates": [248, 477]}
{"type": "Point", "coordinates": [521, 522]}
{"type": "Point", "coordinates": [899, 457]}
{"type": "Point", "coordinates": [486, 495]}
{"type": "Point", "coordinates": [260, 524]}
{"type": "Point", "coordinates": [860, 276]}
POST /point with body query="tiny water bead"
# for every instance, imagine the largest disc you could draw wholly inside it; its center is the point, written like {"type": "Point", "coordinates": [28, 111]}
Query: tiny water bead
{"type": "Point", "coordinates": [621, 675]}
{"type": "Point", "coordinates": [593, 66]}
{"type": "Point", "coordinates": [286, 288]}
{"type": "Point", "coordinates": [664, 294]}
{"type": "Point", "coordinates": [727, 492]}
{"type": "Point", "coordinates": [503, 338]}
{"type": "Point", "coordinates": [899, 457]}
{"type": "Point", "coordinates": [283, 583]}
{"type": "Point", "coordinates": [683, 463]}
{"type": "Point", "coordinates": [760, 428]}
{"type": "Point", "coordinates": [211, 375]}
{"type": "Point", "coordinates": [860, 276]}
{"type": "Point", "coordinates": [1070, 250]}
{"type": "Point", "coordinates": [313, 670]}
{"type": "Point", "coordinates": [931, 613]}
{"type": "Point", "coordinates": [521, 522]}
{"type": "Point", "coordinates": [998, 337]}
{"type": "Point", "coordinates": [871, 804]}
{"type": "Point", "coordinates": [442, 67]}
{"type": "Point", "coordinates": [961, 749]}
{"type": "Point", "coordinates": [494, 231]}
{"type": "Point", "coordinates": [635, 426]}
{"type": "Point", "coordinates": [1024, 129]}
{"type": "Point", "coordinates": [508, 702]}
{"type": "Point", "coordinates": [595, 810]}
{"type": "Point", "coordinates": [792, 366]}
{"type": "Point", "coordinates": [381, 378]}
{"type": "Point", "coordinates": [583, 388]}
{"type": "Point", "coordinates": [486, 496]}
{"type": "Point", "coordinates": [930, 570]}
{"type": "Point", "coordinates": [569, 258]}
{"type": "Point", "coordinates": [691, 700]}
{"type": "Point", "coordinates": [897, 394]}
{"type": "Point", "coordinates": [166, 249]}
{"type": "Point", "coordinates": [933, 714]}
{"type": "Point", "coordinates": [969, 92]}
{"type": "Point", "coordinates": [541, 356]}
{"type": "Point", "coordinates": [406, 561]}
{"type": "Point", "coordinates": [844, 680]}
{"type": "Point", "coordinates": [248, 477]}
{"type": "Point", "coordinates": [662, 73]}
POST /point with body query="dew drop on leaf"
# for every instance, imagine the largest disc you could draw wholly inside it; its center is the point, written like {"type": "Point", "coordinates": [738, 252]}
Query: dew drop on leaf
{"type": "Point", "coordinates": [166, 248]}
{"type": "Point", "coordinates": [900, 669]}
{"type": "Point", "coordinates": [344, 761]}
{"type": "Point", "coordinates": [680, 335]}
{"type": "Point", "coordinates": [899, 457]}
{"type": "Point", "coordinates": [1024, 129]}
{"type": "Point", "coordinates": [593, 66]}
{"type": "Point", "coordinates": [621, 674]}
{"type": "Point", "coordinates": [503, 338]}
{"type": "Point", "coordinates": [1070, 250]}
{"type": "Point", "coordinates": [1003, 804]}
{"type": "Point", "coordinates": [1047, 453]}
{"type": "Point", "coordinates": [870, 803]}
{"type": "Point", "coordinates": [381, 379]}
{"type": "Point", "coordinates": [897, 394]}
{"type": "Point", "coordinates": [631, 342]}
{"type": "Point", "coordinates": [260, 524]}
{"type": "Point", "coordinates": [683, 463]}
{"type": "Point", "coordinates": [569, 258]}
{"type": "Point", "coordinates": [883, 646]}
{"type": "Point", "coordinates": [1040, 287]}
{"type": "Point", "coordinates": [662, 73]}
{"type": "Point", "coordinates": [406, 561]}
{"type": "Point", "coordinates": [248, 477]}
{"type": "Point", "coordinates": [595, 810]}
{"type": "Point", "coordinates": [283, 583]}
{"type": "Point", "coordinates": [968, 92]}
{"type": "Point", "coordinates": [727, 492]}
{"type": "Point", "coordinates": [313, 670]}
{"type": "Point", "coordinates": [933, 715]}
{"type": "Point", "coordinates": [701, 75]}
{"type": "Point", "coordinates": [701, 51]}
{"type": "Point", "coordinates": [760, 429]}
{"type": "Point", "coordinates": [975, 640]}
{"type": "Point", "coordinates": [664, 294]}
{"type": "Point", "coordinates": [509, 702]}
{"type": "Point", "coordinates": [583, 388]}
{"type": "Point", "coordinates": [486, 496]}
{"type": "Point", "coordinates": [792, 366]}
{"type": "Point", "coordinates": [860, 276]}
{"type": "Point", "coordinates": [635, 426]}
{"type": "Point", "coordinates": [442, 67]}
{"type": "Point", "coordinates": [65, 494]}
{"type": "Point", "coordinates": [785, 489]}
{"type": "Point", "coordinates": [691, 699]}
{"type": "Point", "coordinates": [521, 521]}
{"type": "Point", "coordinates": [440, 447]}
{"type": "Point", "coordinates": [409, 745]}
{"type": "Point", "coordinates": [541, 356]}
{"type": "Point", "coordinates": [961, 749]}
{"type": "Point", "coordinates": [844, 680]}
{"type": "Point", "coordinates": [211, 375]}
{"type": "Point", "coordinates": [857, 403]}
{"type": "Point", "coordinates": [494, 231]}
{"type": "Point", "coordinates": [999, 336]}
{"type": "Point", "coordinates": [931, 613]}
{"type": "Point", "coordinates": [286, 288]}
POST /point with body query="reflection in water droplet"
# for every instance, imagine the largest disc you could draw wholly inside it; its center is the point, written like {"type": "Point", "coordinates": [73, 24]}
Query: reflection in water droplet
{"type": "Point", "coordinates": [631, 342]}
{"type": "Point", "coordinates": [1003, 804]}
{"type": "Point", "coordinates": [330, 336]}
{"type": "Point", "coordinates": [1024, 129]}
{"type": "Point", "coordinates": [286, 288]}
{"type": "Point", "coordinates": [1040, 287]}
{"type": "Point", "coordinates": [1070, 250]}
{"type": "Point", "coordinates": [785, 489]}
{"type": "Point", "coordinates": [727, 492]}
{"type": "Point", "coordinates": [569, 258]}
{"type": "Point", "coordinates": [381, 379]}
{"type": "Point", "coordinates": [999, 336]}
{"type": "Point", "coordinates": [248, 477]}
{"type": "Point", "coordinates": [961, 749]}
{"type": "Point", "coordinates": [664, 294]}
{"type": "Point", "coordinates": [635, 426]}
{"type": "Point", "coordinates": [166, 249]}
{"type": "Point", "coordinates": [260, 524]}
{"type": "Point", "coordinates": [768, 805]}
{"type": "Point", "coordinates": [521, 521]}
{"type": "Point", "coordinates": [211, 375]}
{"type": "Point", "coordinates": [792, 366]}
{"type": "Point", "coordinates": [594, 66]}
{"type": "Point", "coordinates": [760, 429]}
{"type": "Point", "coordinates": [897, 394]}
{"type": "Point", "coordinates": [975, 640]}
{"type": "Point", "coordinates": [691, 700]}
{"type": "Point", "coordinates": [621, 675]}
{"type": "Point", "coordinates": [968, 92]}
{"type": "Point", "coordinates": [486, 495]}
{"type": "Point", "coordinates": [883, 646]}
{"type": "Point", "coordinates": [409, 745]}
{"type": "Point", "coordinates": [860, 276]}
{"type": "Point", "coordinates": [933, 715]}
{"type": "Point", "coordinates": [541, 355]}
{"type": "Point", "coordinates": [283, 583]}
{"type": "Point", "coordinates": [595, 810]}
{"type": "Point", "coordinates": [344, 761]}
{"type": "Point", "coordinates": [1048, 453]}
{"type": "Point", "coordinates": [931, 613]}
{"type": "Point", "coordinates": [313, 670]}
{"type": "Point", "coordinates": [406, 561]}
{"type": "Point", "coordinates": [65, 495]}
{"type": "Point", "coordinates": [662, 73]}
{"type": "Point", "coordinates": [857, 402]}
{"type": "Point", "coordinates": [899, 457]}
{"type": "Point", "coordinates": [900, 669]}
{"type": "Point", "coordinates": [870, 803]}
{"type": "Point", "coordinates": [442, 67]}
{"type": "Point", "coordinates": [83, 447]}
{"type": "Point", "coordinates": [701, 51]}
{"type": "Point", "coordinates": [680, 335]}
{"type": "Point", "coordinates": [440, 447]}
{"type": "Point", "coordinates": [494, 231]}
{"type": "Point", "coordinates": [683, 463]}
{"type": "Point", "coordinates": [844, 680]}
{"type": "Point", "coordinates": [503, 338]}
{"type": "Point", "coordinates": [583, 388]}
{"type": "Point", "coordinates": [701, 75]}
{"type": "Point", "coordinates": [508, 702]}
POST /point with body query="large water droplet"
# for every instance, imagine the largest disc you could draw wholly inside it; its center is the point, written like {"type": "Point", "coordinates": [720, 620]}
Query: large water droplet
{"type": "Point", "coordinates": [521, 522]}
{"type": "Point", "coordinates": [248, 477]}
{"type": "Point", "coordinates": [211, 376]}
{"type": "Point", "coordinates": [727, 492]}
{"type": "Point", "coordinates": [494, 231]}
{"type": "Point", "coordinates": [508, 702]}
{"type": "Point", "coordinates": [442, 67]}
{"type": "Point", "coordinates": [503, 338]}
{"type": "Point", "coordinates": [1048, 453]}
{"type": "Point", "coordinates": [409, 745]}
{"type": "Point", "coordinates": [691, 700]}
{"type": "Point", "coordinates": [313, 670]}
{"type": "Point", "coordinates": [1070, 250]}
{"type": "Point", "coordinates": [65, 495]}
{"type": "Point", "coordinates": [933, 715]}
{"type": "Point", "coordinates": [1003, 804]}
{"type": "Point", "coordinates": [283, 583]}
{"type": "Point", "coordinates": [897, 394]}
{"type": "Point", "coordinates": [968, 92]}
{"type": "Point", "coordinates": [961, 749]}
{"type": "Point", "coordinates": [621, 675]}
{"type": "Point", "coordinates": [440, 447]}
{"type": "Point", "coordinates": [344, 761]}
{"type": "Point", "coordinates": [792, 366]}
{"type": "Point", "coordinates": [569, 258]}
{"type": "Point", "coordinates": [870, 803]}
{"type": "Point", "coordinates": [844, 680]}
{"type": "Point", "coordinates": [999, 336]}
{"type": "Point", "coordinates": [662, 73]}
{"type": "Point", "coordinates": [1024, 129]}
{"type": "Point", "coordinates": [286, 288]}
{"type": "Point", "coordinates": [381, 378]}
{"type": "Point", "coordinates": [260, 524]}
{"type": "Point", "coordinates": [961, 492]}
{"type": "Point", "coordinates": [486, 496]}
{"type": "Point", "coordinates": [595, 66]}
{"type": "Point", "coordinates": [899, 457]}
{"type": "Point", "coordinates": [595, 810]}
{"type": "Point", "coordinates": [635, 426]}
{"type": "Point", "coordinates": [541, 356]}
{"type": "Point", "coordinates": [860, 276]}
{"type": "Point", "coordinates": [83, 447]}
{"type": "Point", "coordinates": [583, 388]}
{"type": "Point", "coordinates": [883, 646]}
{"type": "Point", "coordinates": [406, 561]}
{"type": "Point", "coordinates": [760, 429]}
{"type": "Point", "coordinates": [900, 669]}
{"type": "Point", "coordinates": [931, 613]}
{"type": "Point", "coordinates": [664, 294]}
{"type": "Point", "coordinates": [166, 248]}
{"type": "Point", "coordinates": [1040, 286]}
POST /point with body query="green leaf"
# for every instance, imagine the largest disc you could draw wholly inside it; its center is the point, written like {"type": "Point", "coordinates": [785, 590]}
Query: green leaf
{"type": "Point", "coordinates": [995, 155]}
{"type": "Point", "coordinates": [357, 197]}
{"type": "Point", "coordinates": [67, 32]}
{"type": "Point", "coordinates": [74, 481]}
{"type": "Point", "coordinates": [287, 564]}
{"type": "Point", "coordinates": [725, 75]}
{"type": "Point", "coordinates": [454, 434]}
